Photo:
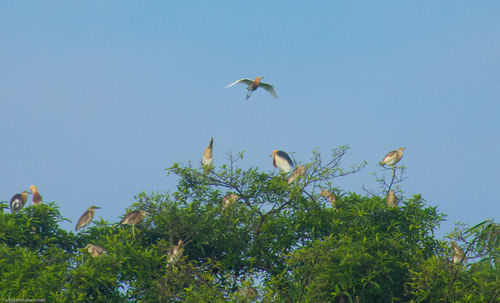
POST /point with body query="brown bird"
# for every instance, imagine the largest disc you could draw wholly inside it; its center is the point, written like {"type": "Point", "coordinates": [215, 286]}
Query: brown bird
{"type": "Point", "coordinates": [330, 197]}
{"type": "Point", "coordinates": [175, 253]}
{"type": "Point", "coordinates": [282, 161]}
{"type": "Point", "coordinates": [134, 217]}
{"type": "Point", "coordinates": [86, 218]}
{"type": "Point", "coordinates": [458, 253]}
{"type": "Point", "coordinates": [298, 172]}
{"type": "Point", "coordinates": [18, 201]}
{"type": "Point", "coordinates": [393, 157]}
{"type": "Point", "coordinates": [254, 84]}
{"type": "Point", "coordinates": [207, 159]}
{"type": "Point", "coordinates": [229, 200]}
{"type": "Point", "coordinates": [391, 199]}
{"type": "Point", "coordinates": [37, 198]}
{"type": "Point", "coordinates": [95, 250]}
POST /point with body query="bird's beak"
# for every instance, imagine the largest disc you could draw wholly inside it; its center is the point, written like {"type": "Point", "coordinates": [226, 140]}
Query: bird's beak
{"type": "Point", "coordinates": [29, 192]}
{"type": "Point", "coordinates": [97, 207]}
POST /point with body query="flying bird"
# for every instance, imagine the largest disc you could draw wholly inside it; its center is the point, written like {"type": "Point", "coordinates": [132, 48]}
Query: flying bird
{"type": "Point", "coordinates": [330, 197]}
{"type": "Point", "coordinates": [254, 84]}
{"type": "Point", "coordinates": [282, 161]}
{"type": "Point", "coordinates": [18, 201]}
{"type": "Point", "coordinates": [134, 217]}
{"type": "Point", "coordinates": [175, 253]}
{"type": "Point", "coordinates": [95, 250]}
{"type": "Point", "coordinates": [393, 157]}
{"type": "Point", "coordinates": [298, 172]}
{"type": "Point", "coordinates": [458, 253]}
{"type": "Point", "coordinates": [391, 199]}
{"type": "Point", "coordinates": [37, 198]}
{"type": "Point", "coordinates": [207, 159]}
{"type": "Point", "coordinates": [229, 200]}
{"type": "Point", "coordinates": [86, 218]}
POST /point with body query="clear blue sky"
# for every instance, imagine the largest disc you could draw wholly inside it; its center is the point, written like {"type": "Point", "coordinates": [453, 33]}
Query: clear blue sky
{"type": "Point", "coordinates": [98, 97]}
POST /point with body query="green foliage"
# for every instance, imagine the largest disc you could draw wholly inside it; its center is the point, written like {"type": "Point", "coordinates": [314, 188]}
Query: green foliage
{"type": "Point", "coordinates": [278, 242]}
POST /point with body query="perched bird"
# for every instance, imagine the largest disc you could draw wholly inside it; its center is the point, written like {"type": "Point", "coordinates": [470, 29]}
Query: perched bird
{"type": "Point", "coordinates": [86, 218]}
{"type": "Point", "coordinates": [282, 160]}
{"type": "Point", "coordinates": [37, 198]}
{"type": "Point", "coordinates": [393, 157]}
{"type": "Point", "coordinates": [18, 200]}
{"type": "Point", "coordinates": [254, 84]}
{"type": "Point", "coordinates": [298, 172]}
{"type": "Point", "coordinates": [95, 250]}
{"type": "Point", "coordinates": [175, 252]}
{"type": "Point", "coordinates": [207, 159]}
{"type": "Point", "coordinates": [391, 199]}
{"type": "Point", "coordinates": [330, 197]}
{"type": "Point", "coordinates": [229, 200]}
{"type": "Point", "coordinates": [458, 253]}
{"type": "Point", "coordinates": [134, 217]}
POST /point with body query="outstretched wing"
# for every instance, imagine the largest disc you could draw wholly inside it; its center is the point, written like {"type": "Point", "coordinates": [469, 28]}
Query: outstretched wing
{"type": "Point", "coordinates": [269, 88]}
{"type": "Point", "coordinates": [244, 80]}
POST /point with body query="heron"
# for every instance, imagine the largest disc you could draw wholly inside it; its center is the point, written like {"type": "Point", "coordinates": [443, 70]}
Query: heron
{"type": "Point", "coordinates": [18, 201]}
{"type": "Point", "coordinates": [254, 84]}
{"type": "Point", "coordinates": [329, 196]}
{"type": "Point", "coordinates": [282, 160]}
{"type": "Point", "coordinates": [458, 253]}
{"type": "Point", "coordinates": [229, 200]}
{"type": "Point", "coordinates": [393, 157]}
{"type": "Point", "coordinates": [95, 250]}
{"type": "Point", "coordinates": [134, 217]}
{"type": "Point", "coordinates": [391, 199]}
{"type": "Point", "coordinates": [37, 198]}
{"type": "Point", "coordinates": [86, 218]}
{"type": "Point", "coordinates": [175, 252]}
{"type": "Point", "coordinates": [207, 159]}
{"type": "Point", "coordinates": [298, 172]}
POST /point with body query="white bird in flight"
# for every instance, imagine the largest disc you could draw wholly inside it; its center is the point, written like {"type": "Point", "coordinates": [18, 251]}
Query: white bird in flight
{"type": "Point", "coordinates": [254, 84]}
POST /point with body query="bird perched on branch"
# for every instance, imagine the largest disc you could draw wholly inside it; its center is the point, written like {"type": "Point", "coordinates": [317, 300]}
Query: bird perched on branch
{"type": "Point", "coordinates": [458, 253]}
{"type": "Point", "coordinates": [37, 198]}
{"type": "Point", "coordinates": [134, 217]}
{"type": "Point", "coordinates": [282, 161]}
{"type": "Point", "coordinates": [330, 196]}
{"type": "Point", "coordinates": [254, 84]}
{"type": "Point", "coordinates": [95, 250]}
{"type": "Point", "coordinates": [175, 252]}
{"type": "Point", "coordinates": [229, 200]}
{"type": "Point", "coordinates": [86, 218]}
{"type": "Point", "coordinates": [18, 201]}
{"type": "Point", "coordinates": [393, 157]}
{"type": "Point", "coordinates": [207, 159]}
{"type": "Point", "coordinates": [298, 172]}
{"type": "Point", "coordinates": [391, 199]}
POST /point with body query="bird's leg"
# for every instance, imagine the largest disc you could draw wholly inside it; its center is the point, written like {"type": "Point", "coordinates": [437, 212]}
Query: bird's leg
{"type": "Point", "coordinates": [249, 92]}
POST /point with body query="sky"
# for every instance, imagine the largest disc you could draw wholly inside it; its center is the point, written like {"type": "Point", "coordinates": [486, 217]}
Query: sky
{"type": "Point", "coordinates": [97, 98]}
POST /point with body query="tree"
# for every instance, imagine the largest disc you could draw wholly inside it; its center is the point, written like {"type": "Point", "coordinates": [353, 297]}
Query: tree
{"type": "Point", "coordinates": [273, 242]}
